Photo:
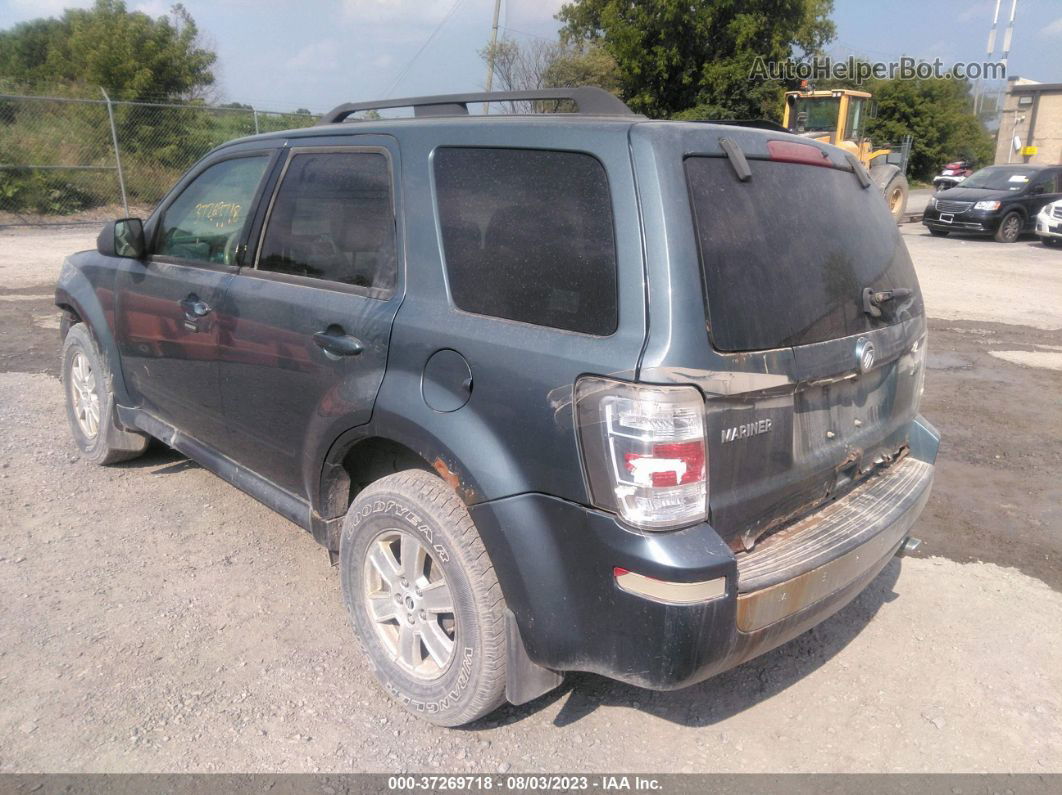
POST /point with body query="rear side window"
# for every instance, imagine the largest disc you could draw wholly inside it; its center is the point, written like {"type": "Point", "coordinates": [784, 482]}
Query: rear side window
{"type": "Point", "coordinates": [333, 220]}
{"type": "Point", "coordinates": [527, 235]}
{"type": "Point", "coordinates": [786, 255]}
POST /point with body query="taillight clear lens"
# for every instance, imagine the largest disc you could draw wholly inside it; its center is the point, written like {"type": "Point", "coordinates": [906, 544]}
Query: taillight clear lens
{"type": "Point", "coordinates": [644, 451]}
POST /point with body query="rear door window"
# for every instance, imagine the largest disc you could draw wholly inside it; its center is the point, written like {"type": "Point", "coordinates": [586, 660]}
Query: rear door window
{"type": "Point", "coordinates": [528, 236]}
{"type": "Point", "coordinates": [333, 219]}
{"type": "Point", "coordinates": [787, 254]}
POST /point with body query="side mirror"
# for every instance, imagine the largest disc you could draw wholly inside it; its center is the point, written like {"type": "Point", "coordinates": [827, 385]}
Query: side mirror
{"type": "Point", "coordinates": [122, 238]}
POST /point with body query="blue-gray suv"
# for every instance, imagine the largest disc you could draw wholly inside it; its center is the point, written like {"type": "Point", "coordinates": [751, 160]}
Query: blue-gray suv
{"type": "Point", "coordinates": [568, 391]}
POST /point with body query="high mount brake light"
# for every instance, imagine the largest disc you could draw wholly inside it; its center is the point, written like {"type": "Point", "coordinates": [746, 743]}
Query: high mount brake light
{"type": "Point", "coordinates": [793, 152]}
{"type": "Point", "coordinates": [644, 451]}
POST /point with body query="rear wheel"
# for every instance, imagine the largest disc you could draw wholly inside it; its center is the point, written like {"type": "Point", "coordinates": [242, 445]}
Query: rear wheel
{"type": "Point", "coordinates": [423, 597]}
{"type": "Point", "coordinates": [1009, 228]}
{"type": "Point", "coordinates": [939, 232]}
{"type": "Point", "coordinates": [90, 402]}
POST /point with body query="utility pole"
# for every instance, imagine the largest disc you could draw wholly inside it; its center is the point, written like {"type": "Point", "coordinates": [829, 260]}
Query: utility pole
{"type": "Point", "coordinates": [491, 48]}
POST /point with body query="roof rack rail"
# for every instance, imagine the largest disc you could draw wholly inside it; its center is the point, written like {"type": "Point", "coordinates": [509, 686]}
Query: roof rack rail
{"type": "Point", "coordinates": [590, 101]}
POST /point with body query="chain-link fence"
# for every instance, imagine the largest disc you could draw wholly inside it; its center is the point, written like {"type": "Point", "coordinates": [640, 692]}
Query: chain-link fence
{"type": "Point", "coordinates": [67, 160]}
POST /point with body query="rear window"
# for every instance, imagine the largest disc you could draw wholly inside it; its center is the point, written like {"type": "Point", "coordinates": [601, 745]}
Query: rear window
{"type": "Point", "coordinates": [527, 235]}
{"type": "Point", "coordinates": [786, 255]}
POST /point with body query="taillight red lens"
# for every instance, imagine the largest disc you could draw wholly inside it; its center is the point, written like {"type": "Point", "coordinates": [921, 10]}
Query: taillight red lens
{"type": "Point", "coordinates": [644, 450]}
{"type": "Point", "coordinates": [674, 464]}
{"type": "Point", "coordinates": [792, 152]}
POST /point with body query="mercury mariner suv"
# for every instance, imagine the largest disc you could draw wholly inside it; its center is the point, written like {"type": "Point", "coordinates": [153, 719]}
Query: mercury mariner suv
{"type": "Point", "coordinates": [567, 391]}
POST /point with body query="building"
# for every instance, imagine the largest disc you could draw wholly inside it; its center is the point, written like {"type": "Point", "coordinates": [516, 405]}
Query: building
{"type": "Point", "coordinates": [1030, 125]}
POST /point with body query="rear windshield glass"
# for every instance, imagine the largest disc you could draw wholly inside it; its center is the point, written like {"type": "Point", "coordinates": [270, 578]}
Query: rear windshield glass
{"type": "Point", "coordinates": [528, 236]}
{"type": "Point", "coordinates": [787, 254]}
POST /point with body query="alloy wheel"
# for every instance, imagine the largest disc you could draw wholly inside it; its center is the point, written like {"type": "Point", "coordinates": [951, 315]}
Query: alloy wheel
{"type": "Point", "coordinates": [85, 396]}
{"type": "Point", "coordinates": [409, 603]}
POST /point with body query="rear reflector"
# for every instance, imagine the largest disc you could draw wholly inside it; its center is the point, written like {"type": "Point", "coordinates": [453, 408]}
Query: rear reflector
{"type": "Point", "coordinates": [672, 593]}
{"type": "Point", "coordinates": [792, 152]}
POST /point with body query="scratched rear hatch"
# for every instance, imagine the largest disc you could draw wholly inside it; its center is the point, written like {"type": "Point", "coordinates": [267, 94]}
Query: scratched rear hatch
{"type": "Point", "coordinates": [795, 415]}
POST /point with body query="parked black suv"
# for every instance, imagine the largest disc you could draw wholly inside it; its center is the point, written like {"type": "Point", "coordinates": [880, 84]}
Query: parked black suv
{"type": "Point", "coordinates": [573, 391]}
{"type": "Point", "coordinates": [1001, 201]}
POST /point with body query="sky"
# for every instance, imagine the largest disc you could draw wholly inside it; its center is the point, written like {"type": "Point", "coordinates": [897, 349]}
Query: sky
{"type": "Point", "coordinates": [281, 55]}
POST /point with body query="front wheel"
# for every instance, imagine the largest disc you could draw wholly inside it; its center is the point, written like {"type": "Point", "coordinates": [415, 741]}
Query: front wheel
{"type": "Point", "coordinates": [90, 402]}
{"type": "Point", "coordinates": [1009, 228]}
{"type": "Point", "coordinates": [423, 597]}
{"type": "Point", "coordinates": [939, 232]}
{"type": "Point", "coordinates": [1052, 242]}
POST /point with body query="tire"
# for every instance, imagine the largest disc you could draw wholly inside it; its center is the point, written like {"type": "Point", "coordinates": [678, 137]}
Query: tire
{"type": "Point", "coordinates": [397, 625]}
{"type": "Point", "coordinates": [1009, 229]}
{"type": "Point", "coordinates": [896, 196]}
{"type": "Point", "coordinates": [90, 402]}
{"type": "Point", "coordinates": [1052, 242]}
{"type": "Point", "coordinates": [939, 232]}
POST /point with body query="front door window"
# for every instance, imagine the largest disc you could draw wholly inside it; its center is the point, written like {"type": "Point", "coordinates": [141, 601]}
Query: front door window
{"type": "Point", "coordinates": [205, 222]}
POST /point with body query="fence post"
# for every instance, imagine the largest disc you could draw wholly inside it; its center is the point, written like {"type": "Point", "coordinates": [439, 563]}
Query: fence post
{"type": "Point", "coordinates": [255, 112]}
{"type": "Point", "coordinates": [117, 157]}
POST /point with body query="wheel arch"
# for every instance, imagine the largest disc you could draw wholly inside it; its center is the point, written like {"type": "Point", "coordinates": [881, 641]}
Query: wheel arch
{"type": "Point", "coordinates": [355, 460]}
{"type": "Point", "coordinates": [75, 295]}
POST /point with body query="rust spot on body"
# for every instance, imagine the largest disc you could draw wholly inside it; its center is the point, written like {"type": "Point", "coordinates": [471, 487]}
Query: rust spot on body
{"type": "Point", "coordinates": [451, 477]}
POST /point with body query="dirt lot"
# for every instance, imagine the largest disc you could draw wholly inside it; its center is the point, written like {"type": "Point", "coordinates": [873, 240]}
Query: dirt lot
{"type": "Point", "coordinates": [153, 618]}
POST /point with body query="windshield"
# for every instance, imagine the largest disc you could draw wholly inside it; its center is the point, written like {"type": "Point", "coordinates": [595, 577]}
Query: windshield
{"type": "Point", "coordinates": [814, 114]}
{"type": "Point", "coordinates": [787, 254]}
{"type": "Point", "coordinates": [1000, 178]}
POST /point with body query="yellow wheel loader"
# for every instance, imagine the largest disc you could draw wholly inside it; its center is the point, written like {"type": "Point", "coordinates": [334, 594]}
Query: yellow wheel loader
{"type": "Point", "coordinates": [839, 117]}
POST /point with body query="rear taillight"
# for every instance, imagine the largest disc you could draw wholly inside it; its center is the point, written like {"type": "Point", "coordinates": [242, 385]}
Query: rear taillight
{"type": "Point", "coordinates": [644, 451]}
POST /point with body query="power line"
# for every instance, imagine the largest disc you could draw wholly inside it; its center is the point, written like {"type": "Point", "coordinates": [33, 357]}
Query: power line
{"type": "Point", "coordinates": [508, 29]}
{"type": "Point", "coordinates": [424, 46]}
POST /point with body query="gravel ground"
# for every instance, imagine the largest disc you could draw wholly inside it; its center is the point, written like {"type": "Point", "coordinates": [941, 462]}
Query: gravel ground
{"type": "Point", "coordinates": [198, 631]}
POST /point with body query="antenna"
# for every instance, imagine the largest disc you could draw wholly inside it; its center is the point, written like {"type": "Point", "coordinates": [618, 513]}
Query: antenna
{"type": "Point", "coordinates": [1010, 31]}
{"type": "Point", "coordinates": [988, 57]}
{"type": "Point", "coordinates": [992, 32]}
{"type": "Point", "coordinates": [1006, 52]}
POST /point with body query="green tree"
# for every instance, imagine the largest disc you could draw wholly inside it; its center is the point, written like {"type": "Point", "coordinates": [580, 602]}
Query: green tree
{"type": "Point", "coordinates": [130, 54]}
{"type": "Point", "coordinates": [698, 55]}
{"type": "Point", "coordinates": [549, 64]}
{"type": "Point", "coordinates": [583, 64]}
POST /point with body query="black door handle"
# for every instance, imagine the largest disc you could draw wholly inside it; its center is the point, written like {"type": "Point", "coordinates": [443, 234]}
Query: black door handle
{"type": "Point", "coordinates": [194, 307]}
{"type": "Point", "coordinates": [335, 343]}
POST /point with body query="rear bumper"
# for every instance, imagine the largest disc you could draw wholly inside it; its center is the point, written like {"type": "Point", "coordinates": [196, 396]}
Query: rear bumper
{"type": "Point", "coordinates": [555, 563]}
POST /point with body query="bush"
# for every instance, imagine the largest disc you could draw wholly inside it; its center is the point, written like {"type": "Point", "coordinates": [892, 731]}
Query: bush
{"type": "Point", "coordinates": [46, 194]}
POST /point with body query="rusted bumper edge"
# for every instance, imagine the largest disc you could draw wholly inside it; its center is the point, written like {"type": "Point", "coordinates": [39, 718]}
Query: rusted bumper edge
{"type": "Point", "coordinates": [802, 578]}
{"type": "Point", "coordinates": [830, 549]}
